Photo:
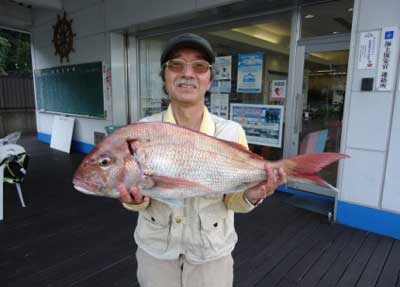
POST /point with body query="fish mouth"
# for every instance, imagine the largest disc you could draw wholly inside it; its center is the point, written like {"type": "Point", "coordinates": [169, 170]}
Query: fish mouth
{"type": "Point", "coordinates": [96, 190]}
{"type": "Point", "coordinates": [82, 186]}
{"type": "Point", "coordinates": [84, 190]}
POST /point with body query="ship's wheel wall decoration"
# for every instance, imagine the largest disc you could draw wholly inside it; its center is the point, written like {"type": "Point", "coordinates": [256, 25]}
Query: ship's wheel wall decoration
{"type": "Point", "coordinates": [63, 37]}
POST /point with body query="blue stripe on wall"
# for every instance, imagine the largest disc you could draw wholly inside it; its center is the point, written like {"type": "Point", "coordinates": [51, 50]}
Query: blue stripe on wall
{"type": "Point", "coordinates": [75, 145]}
{"type": "Point", "coordinates": [366, 218]}
{"type": "Point", "coordinates": [44, 137]}
{"type": "Point", "coordinates": [305, 194]}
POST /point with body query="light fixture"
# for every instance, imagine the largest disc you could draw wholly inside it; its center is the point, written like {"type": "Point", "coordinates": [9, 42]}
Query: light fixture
{"type": "Point", "coordinates": [259, 34]}
{"type": "Point", "coordinates": [335, 32]}
{"type": "Point", "coordinates": [309, 16]}
{"type": "Point", "coordinates": [350, 9]}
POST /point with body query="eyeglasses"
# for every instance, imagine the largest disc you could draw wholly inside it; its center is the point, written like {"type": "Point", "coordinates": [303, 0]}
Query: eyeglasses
{"type": "Point", "coordinates": [178, 66]}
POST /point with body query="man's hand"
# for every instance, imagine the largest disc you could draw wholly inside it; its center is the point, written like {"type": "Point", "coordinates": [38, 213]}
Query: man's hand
{"type": "Point", "coordinates": [266, 188]}
{"type": "Point", "coordinates": [131, 196]}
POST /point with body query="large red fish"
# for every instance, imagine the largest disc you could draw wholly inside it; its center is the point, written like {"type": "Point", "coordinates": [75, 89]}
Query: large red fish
{"type": "Point", "coordinates": [168, 162]}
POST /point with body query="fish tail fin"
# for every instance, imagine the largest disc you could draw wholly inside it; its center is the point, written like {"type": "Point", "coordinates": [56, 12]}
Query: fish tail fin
{"type": "Point", "coordinates": [306, 166]}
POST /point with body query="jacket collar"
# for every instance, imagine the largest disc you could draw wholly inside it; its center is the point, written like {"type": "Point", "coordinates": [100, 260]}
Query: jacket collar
{"type": "Point", "coordinates": [207, 123]}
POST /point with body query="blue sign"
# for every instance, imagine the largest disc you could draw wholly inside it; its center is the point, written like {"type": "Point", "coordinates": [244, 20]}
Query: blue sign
{"type": "Point", "coordinates": [389, 35]}
{"type": "Point", "coordinates": [250, 67]}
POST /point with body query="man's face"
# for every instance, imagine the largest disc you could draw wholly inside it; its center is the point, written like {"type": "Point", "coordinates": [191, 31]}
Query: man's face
{"type": "Point", "coordinates": [187, 87]}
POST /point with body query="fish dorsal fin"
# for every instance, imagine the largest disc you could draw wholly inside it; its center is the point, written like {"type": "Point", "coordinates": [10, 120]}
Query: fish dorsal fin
{"type": "Point", "coordinates": [134, 144]}
{"type": "Point", "coordinates": [242, 149]}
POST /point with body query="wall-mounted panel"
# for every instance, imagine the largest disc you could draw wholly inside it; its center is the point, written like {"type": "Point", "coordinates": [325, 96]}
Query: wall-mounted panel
{"type": "Point", "coordinates": [362, 177]}
{"type": "Point", "coordinates": [73, 89]}
{"type": "Point", "coordinates": [368, 124]}
{"type": "Point", "coordinates": [358, 74]}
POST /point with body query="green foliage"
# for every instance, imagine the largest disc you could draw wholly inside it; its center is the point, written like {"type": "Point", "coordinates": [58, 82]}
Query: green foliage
{"type": "Point", "coordinates": [15, 52]}
{"type": "Point", "coordinates": [4, 50]}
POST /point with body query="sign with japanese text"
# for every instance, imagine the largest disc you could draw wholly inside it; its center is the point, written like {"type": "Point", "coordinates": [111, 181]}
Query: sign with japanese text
{"type": "Point", "coordinates": [223, 68]}
{"type": "Point", "coordinates": [220, 105]}
{"type": "Point", "coordinates": [368, 50]}
{"type": "Point", "coordinates": [388, 59]}
{"type": "Point", "coordinates": [221, 86]}
{"type": "Point", "coordinates": [278, 90]}
{"type": "Point", "coordinates": [250, 67]}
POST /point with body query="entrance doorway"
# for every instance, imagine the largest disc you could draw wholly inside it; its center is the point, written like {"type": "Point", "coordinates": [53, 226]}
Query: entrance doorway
{"type": "Point", "coordinates": [320, 85]}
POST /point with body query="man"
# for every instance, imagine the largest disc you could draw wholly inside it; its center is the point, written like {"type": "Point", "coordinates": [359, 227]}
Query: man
{"type": "Point", "coordinates": [191, 246]}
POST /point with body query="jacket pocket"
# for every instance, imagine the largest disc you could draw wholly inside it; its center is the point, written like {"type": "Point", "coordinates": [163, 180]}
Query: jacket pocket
{"type": "Point", "coordinates": [213, 226]}
{"type": "Point", "coordinates": [154, 228]}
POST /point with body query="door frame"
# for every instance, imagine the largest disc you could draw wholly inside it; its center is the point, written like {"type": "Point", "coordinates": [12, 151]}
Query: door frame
{"type": "Point", "coordinates": [294, 118]}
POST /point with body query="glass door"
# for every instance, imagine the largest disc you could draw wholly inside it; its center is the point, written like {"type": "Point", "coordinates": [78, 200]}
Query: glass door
{"type": "Point", "coordinates": [320, 85]}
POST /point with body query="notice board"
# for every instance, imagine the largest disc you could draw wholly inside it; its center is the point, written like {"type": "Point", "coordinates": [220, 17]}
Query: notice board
{"type": "Point", "coordinates": [72, 89]}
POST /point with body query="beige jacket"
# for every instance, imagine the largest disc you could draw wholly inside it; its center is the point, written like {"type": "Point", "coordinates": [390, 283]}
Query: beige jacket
{"type": "Point", "coordinates": [203, 229]}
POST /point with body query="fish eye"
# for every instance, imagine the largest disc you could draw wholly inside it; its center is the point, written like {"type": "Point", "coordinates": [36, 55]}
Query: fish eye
{"type": "Point", "coordinates": [104, 162]}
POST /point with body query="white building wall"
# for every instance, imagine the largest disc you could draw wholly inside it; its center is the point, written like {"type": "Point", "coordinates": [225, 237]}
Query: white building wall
{"type": "Point", "coordinates": [391, 189]}
{"type": "Point", "coordinates": [93, 22]}
{"type": "Point", "coordinates": [371, 176]}
{"type": "Point", "coordinates": [91, 44]}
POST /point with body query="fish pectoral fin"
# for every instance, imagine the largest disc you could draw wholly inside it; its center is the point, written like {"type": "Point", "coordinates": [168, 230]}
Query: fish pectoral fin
{"type": "Point", "coordinates": [147, 182]}
{"type": "Point", "coordinates": [133, 145]}
{"type": "Point", "coordinates": [167, 182]}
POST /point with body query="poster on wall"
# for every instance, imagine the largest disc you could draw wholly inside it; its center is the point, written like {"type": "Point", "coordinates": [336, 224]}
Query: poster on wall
{"type": "Point", "coordinates": [388, 59]}
{"type": "Point", "coordinates": [368, 50]}
{"type": "Point", "coordinates": [223, 68]}
{"type": "Point", "coordinates": [278, 90]}
{"type": "Point", "coordinates": [220, 105]}
{"type": "Point", "coordinates": [250, 67]}
{"type": "Point", "coordinates": [262, 123]}
{"type": "Point", "coordinates": [221, 86]}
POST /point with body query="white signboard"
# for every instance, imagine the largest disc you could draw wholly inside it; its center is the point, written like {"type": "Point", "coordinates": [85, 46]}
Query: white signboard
{"type": "Point", "coordinates": [223, 68]}
{"type": "Point", "coordinates": [388, 59]}
{"type": "Point", "coordinates": [278, 90]}
{"type": "Point", "coordinates": [220, 105]}
{"type": "Point", "coordinates": [368, 50]}
{"type": "Point", "coordinates": [249, 76]}
{"type": "Point", "coordinates": [61, 136]}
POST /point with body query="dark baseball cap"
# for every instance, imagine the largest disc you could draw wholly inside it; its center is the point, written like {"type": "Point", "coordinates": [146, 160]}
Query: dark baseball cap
{"type": "Point", "coordinates": [188, 40]}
